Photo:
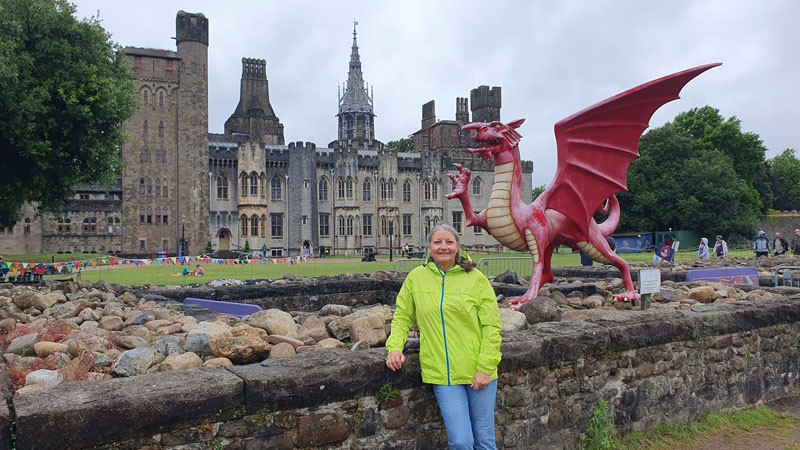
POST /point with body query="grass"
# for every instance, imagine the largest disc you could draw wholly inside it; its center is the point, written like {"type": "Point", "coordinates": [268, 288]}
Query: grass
{"type": "Point", "coordinates": [316, 267]}
{"type": "Point", "coordinates": [670, 436]}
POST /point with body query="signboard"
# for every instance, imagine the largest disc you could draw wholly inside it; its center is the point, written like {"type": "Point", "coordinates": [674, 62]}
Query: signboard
{"type": "Point", "coordinates": [649, 281]}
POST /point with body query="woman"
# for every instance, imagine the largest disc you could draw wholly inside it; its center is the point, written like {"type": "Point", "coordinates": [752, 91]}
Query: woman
{"type": "Point", "coordinates": [721, 247]}
{"type": "Point", "coordinates": [456, 313]}
{"type": "Point", "coordinates": [702, 250]}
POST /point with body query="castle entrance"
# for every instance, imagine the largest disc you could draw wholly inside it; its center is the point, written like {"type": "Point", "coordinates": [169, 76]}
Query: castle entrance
{"type": "Point", "coordinates": [224, 240]}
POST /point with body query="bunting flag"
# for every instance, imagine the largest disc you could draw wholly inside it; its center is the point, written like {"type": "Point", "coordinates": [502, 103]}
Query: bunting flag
{"type": "Point", "coordinates": [18, 268]}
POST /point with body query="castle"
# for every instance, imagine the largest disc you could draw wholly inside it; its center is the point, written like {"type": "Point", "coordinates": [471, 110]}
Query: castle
{"type": "Point", "coordinates": [183, 186]}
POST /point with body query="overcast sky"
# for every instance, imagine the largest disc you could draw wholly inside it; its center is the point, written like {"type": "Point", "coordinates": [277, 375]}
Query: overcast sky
{"type": "Point", "coordinates": [551, 58]}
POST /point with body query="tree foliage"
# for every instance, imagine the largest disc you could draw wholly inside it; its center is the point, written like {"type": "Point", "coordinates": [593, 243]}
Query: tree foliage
{"type": "Point", "coordinates": [712, 132]}
{"type": "Point", "coordinates": [401, 145]}
{"type": "Point", "coordinates": [537, 191]}
{"type": "Point", "coordinates": [66, 89]}
{"type": "Point", "coordinates": [785, 169]}
{"type": "Point", "coordinates": [699, 172]}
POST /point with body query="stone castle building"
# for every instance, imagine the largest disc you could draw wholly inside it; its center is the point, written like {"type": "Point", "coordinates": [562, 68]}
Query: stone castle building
{"type": "Point", "coordinates": [247, 187]}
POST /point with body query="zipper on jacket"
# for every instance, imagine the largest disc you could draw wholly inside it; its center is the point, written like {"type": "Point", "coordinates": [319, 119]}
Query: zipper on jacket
{"type": "Point", "coordinates": [444, 331]}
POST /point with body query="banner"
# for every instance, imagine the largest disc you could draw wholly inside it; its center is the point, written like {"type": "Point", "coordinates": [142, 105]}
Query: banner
{"type": "Point", "coordinates": [19, 268]}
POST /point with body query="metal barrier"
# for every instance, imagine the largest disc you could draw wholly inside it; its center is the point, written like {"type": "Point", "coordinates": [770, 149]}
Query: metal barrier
{"type": "Point", "coordinates": [521, 265]}
{"type": "Point", "coordinates": [490, 267]}
{"type": "Point", "coordinates": [407, 264]}
{"type": "Point", "coordinates": [785, 273]}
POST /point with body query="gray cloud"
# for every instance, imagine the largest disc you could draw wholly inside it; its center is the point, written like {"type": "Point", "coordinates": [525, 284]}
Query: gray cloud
{"type": "Point", "coordinates": [552, 59]}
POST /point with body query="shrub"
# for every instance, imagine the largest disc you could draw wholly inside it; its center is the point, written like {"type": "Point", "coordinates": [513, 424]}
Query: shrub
{"type": "Point", "coordinates": [386, 394]}
{"type": "Point", "coordinates": [599, 434]}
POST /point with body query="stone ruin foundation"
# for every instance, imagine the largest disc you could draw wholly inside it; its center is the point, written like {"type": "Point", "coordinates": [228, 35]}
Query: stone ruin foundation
{"type": "Point", "coordinates": [667, 364]}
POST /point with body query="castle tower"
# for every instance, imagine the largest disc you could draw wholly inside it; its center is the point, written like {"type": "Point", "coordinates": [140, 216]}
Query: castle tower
{"type": "Point", "coordinates": [254, 115]}
{"type": "Point", "coordinates": [165, 181]}
{"type": "Point", "coordinates": [462, 111]}
{"type": "Point", "coordinates": [485, 104]}
{"type": "Point", "coordinates": [192, 181]}
{"type": "Point", "coordinates": [428, 114]}
{"type": "Point", "coordinates": [356, 117]}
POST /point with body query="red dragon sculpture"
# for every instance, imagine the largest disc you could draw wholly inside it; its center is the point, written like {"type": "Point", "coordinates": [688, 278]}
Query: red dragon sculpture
{"type": "Point", "coordinates": [595, 148]}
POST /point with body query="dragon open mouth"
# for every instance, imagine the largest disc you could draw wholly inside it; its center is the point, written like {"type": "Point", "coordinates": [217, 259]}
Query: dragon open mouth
{"type": "Point", "coordinates": [489, 143]}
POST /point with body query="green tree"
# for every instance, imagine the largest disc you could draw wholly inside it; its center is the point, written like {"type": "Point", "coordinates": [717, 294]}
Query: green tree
{"type": "Point", "coordinates": [66, 89]}
{"type": "Point", "coordinates": [208, 249]}
{"type": "Point", "coordinates": [401, 145]}
{"type": "Point", "coordinates": [680, 183]}
{"type": "Point", "coordinates": [537, 191]}
{"type": "Point", "coordinates": [713, 132]}
{"type": "Point", "coordinates": [712, 201]}
{"type": "Point", "coordinates": [785, 168]}
{"type": "Point", "coordinates": [652, 186]}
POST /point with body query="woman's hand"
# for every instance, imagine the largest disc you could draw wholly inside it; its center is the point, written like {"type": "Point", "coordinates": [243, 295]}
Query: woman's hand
{"type": "Point", "coordinates": [480, 380]}
{"type": "Point", "coordinates": [395, 360]}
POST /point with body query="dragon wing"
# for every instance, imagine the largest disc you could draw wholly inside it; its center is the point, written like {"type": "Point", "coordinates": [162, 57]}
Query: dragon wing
{"type": "Point", "coordinates": [597, 145]}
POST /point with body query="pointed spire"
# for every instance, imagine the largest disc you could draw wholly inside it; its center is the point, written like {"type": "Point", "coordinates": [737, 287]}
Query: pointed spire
{"type": "Point", "coordinates": [355, 96]}
{"type": "Point", "coordinates": [356, 117]}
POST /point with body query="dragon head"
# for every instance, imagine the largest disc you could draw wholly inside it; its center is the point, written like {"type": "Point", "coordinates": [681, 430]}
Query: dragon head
{"type": "Point", "coordinates": [494, 137]}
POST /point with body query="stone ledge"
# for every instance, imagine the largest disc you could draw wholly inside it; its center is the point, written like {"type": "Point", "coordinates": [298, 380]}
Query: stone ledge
{"type": "Point", "coordinates": [90, 413]}
{"type": "Point", "coordinates": [311, 378]}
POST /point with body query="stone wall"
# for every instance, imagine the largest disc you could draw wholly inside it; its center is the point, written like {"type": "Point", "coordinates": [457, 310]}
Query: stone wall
{"type": "Point", "coordinates": [652, 366]}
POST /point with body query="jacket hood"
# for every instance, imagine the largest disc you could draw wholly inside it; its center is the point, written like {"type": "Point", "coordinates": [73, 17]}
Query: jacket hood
{"type": "Point", "coordinates": [462, 256]}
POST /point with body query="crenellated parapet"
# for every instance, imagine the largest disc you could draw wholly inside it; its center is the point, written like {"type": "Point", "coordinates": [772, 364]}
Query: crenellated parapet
{"type": "Point", "coordinates": [191, 27]}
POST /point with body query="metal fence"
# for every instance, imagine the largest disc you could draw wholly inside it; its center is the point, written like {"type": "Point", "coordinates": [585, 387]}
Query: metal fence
{"type": "Point", "coordinates": [407, 264]}
{"type": "Point", "coordinates": [491, 266]}
{"type": "Point", "coordinates": [787, 276]}
{"type": "Point", "coordinates": [521, 265]}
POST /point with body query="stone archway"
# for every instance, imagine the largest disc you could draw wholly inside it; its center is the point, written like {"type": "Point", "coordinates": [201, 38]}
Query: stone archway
{"type": "Point", "coordinates": [224, 240]}
{"type": "Point", "coordinates": [308, 249]}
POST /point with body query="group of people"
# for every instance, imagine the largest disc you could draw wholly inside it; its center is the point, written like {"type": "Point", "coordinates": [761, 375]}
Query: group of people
{"type": "Point", "coordinates": [198, 271]}
{"type": "Point", "coordinates": [761, 246]}
{"type": "Point", "coordinates": [720, 249]}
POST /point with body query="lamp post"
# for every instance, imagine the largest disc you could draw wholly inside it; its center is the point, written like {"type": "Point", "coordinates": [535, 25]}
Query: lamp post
{"type": "Point", "coordinates": [211, 203]}
{"type": "Point", "coordinates": [332, 223]}
{"type": "Point", "coordinates": [182, 246]}
{"type": "Point", "coordinates": [419, 210]}
{"type": "Point", "coordinates": [391, 232]}
{"type": "Point", "coordinates": [286, 190]}
{"type": "Point", "coordinates": [375, 194]}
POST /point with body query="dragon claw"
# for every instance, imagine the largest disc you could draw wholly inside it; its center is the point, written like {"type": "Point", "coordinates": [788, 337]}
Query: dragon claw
{"type": "Point", "coordinates": [626, 296]}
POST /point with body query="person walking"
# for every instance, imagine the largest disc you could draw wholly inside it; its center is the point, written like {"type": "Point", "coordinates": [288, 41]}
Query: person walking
{"type": "Point", "coordinates": [796, 242]}
{"type": "Point", "coordinates": [779, 245]}
{"type": "Point", "coordinates": [455, 309]}
{"type": "Point", "coordinates": [721, 247]}
{"type": "Point", "coordinates": [702, 249]}
{"type": "Point", "coordinates": [761, 244]}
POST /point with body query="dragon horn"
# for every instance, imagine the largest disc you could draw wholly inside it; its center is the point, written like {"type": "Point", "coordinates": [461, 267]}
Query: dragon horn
{"type": "Point", "coordinates": [472, 126]}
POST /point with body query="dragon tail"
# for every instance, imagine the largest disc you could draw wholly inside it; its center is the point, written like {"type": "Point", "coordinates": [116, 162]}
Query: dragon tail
{"type": "Point", "coordinates": [608, 226]}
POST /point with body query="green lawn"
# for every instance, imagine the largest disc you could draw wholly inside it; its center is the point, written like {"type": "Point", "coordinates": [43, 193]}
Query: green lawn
{"type": "Point", "coordinates": [164, 274]}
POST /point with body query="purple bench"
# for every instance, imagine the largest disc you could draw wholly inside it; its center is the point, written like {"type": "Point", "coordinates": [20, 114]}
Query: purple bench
{"type": "Point", "coordinates": [728, 275]}
{"type": "Point", "coordinates": [228, 308]}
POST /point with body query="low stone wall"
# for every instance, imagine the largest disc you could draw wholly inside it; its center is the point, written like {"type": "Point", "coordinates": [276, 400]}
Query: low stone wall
{"type": "Point", "coordinates": [651, 366]}
{"type": "Point", "coordinates": [293, 294]}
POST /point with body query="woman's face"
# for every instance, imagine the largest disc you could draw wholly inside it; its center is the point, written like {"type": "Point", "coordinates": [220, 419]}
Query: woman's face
{"type": "Point", "coordinates": [444, 249]}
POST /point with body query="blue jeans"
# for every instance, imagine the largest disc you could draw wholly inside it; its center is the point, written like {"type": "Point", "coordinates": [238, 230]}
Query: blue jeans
{"type": "Point", "coordinates": [468, 415]}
